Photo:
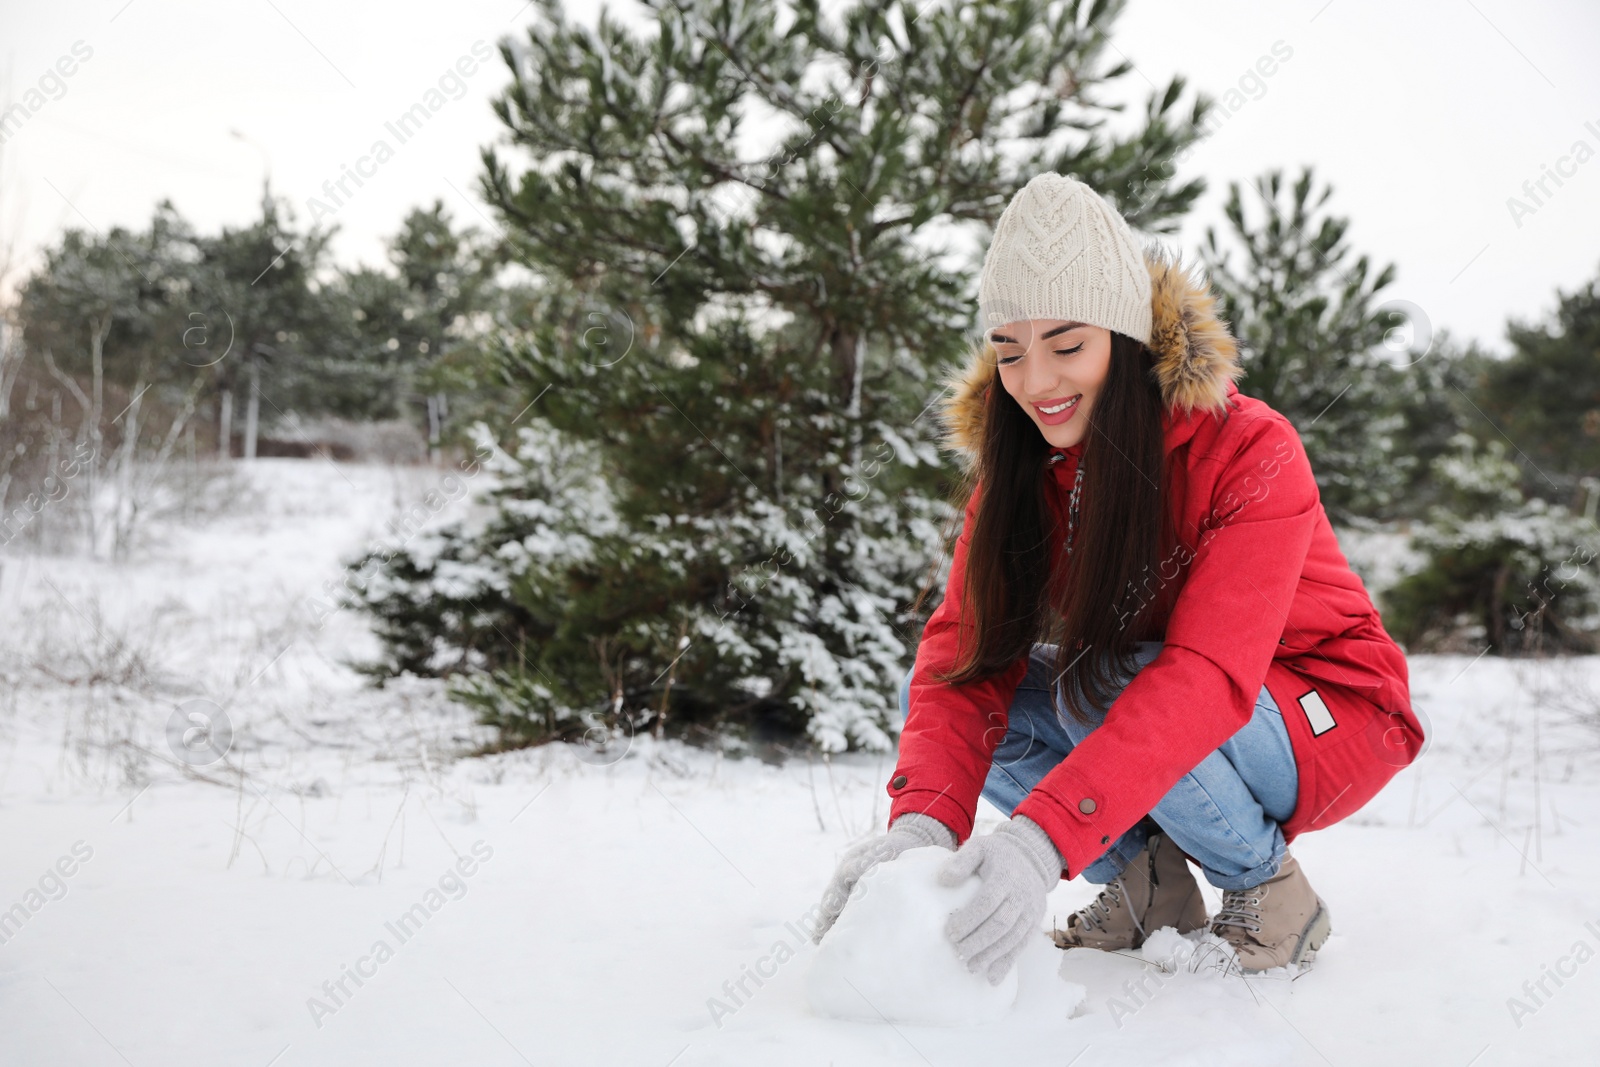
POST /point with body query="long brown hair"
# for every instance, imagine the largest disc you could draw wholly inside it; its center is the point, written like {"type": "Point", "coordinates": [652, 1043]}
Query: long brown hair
{"type": "Point", "coordinates": [1124, 530]}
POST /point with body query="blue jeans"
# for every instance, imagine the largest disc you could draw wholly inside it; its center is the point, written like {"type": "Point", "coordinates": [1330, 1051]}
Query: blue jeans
{"type": "Point", "coordinates": [1225, 813]}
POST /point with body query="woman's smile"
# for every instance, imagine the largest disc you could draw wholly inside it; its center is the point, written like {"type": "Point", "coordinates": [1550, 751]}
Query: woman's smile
{"type": "Point", "coordinates": [1055, 412]}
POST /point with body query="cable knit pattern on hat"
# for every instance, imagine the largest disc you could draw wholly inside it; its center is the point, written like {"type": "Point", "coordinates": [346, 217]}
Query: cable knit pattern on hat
{"type": "Point", "coordinates": [1060, 251]}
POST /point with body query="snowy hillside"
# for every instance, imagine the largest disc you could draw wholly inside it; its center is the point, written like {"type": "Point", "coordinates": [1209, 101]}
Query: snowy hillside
{"type": "Point", "coordinates": [565, 906]}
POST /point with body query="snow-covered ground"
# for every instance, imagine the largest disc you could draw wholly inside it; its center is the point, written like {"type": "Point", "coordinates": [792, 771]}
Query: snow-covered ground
{"type": "Point", "coordinates": [568, 906]}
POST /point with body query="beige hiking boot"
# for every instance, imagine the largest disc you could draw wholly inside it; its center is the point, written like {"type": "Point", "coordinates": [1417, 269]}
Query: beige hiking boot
{"type": "Point", "coordinates": [1156, 889]}
{"type": "Point", "coordinates": [1281, 921]}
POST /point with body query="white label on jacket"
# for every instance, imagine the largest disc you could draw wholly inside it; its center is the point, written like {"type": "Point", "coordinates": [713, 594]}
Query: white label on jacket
{"type": "Point", "coordinates": [1317, 712]}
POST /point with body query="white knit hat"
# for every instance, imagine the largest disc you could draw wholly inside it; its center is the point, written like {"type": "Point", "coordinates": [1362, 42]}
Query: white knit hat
{"type": "Point", "coordinates": [1061, 252]}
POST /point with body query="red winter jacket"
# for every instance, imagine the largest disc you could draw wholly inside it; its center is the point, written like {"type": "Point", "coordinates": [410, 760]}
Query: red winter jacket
{"type": "Point", "coordinates": [1267, 598]}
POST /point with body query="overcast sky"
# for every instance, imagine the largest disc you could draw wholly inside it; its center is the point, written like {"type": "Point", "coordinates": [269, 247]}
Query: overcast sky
{"type": "Point", "coordinates": [1426, 117]}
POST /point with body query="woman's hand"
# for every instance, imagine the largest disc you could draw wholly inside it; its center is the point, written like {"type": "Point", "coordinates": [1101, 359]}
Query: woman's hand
{"type": "Point", "coordinates": [911, 830]}
{"type": "Point", "coordinates": [1018, 865]}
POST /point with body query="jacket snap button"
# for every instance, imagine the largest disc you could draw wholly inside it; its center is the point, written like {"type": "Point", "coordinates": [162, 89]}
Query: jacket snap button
{"type": "Point", "coordinates": [1281, 641]}
{"type": "Point", "coordinates": [1104, 839]}
{"type": "Point", "coordinates": [1086, 805]}
{"type": "Point", "coordinates": [899, 780]}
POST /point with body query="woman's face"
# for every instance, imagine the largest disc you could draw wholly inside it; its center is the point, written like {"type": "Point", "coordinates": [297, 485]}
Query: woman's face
{"type": "Point", "coordinates": [1045, 363]}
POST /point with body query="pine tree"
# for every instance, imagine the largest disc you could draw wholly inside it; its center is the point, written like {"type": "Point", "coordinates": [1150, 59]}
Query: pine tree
{"type": "Point", "coordinates": [449, 276]}
{"type": "Point", "coordinates": [103, 375]}
{"type": "Point", "coordinates": [1557, 439]}
{"type": "Point", "coordinates": [755, 232]}
{"type": "Point", "coordinates": [1513, 572]}
{"type": "Point", "coordinates": [1435, 398]}
{"type": "Point", "coordinates": [408, 331]}
{"type": "Point", "coordinates": [258, 286]}
{"type": "Point", "coordinates": [1313, 340]}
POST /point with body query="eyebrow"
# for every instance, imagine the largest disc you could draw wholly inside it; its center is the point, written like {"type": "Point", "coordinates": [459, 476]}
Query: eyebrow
{"type": "Point", "coordinates": [1002, 339]}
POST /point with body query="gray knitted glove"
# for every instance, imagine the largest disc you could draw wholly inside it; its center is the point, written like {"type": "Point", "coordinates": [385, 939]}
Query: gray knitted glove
{"type": "Point", "coordinates": [911, 830]}
{"type": "Point", "coordinates": [1018, 865]}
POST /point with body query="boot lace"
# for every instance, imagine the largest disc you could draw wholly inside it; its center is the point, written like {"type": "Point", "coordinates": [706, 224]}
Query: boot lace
{"type": "Point", "coordinates": [1240, 908]}
{"type": "Point", "coordinates": [1099, 910]}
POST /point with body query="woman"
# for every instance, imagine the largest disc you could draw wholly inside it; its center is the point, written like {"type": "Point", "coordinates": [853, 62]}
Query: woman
{"type": "Point", "coordinates": [1151, 649]}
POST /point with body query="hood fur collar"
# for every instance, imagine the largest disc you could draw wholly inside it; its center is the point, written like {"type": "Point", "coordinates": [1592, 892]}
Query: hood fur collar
{"type": "Point", "coordinates": [1197, 358]}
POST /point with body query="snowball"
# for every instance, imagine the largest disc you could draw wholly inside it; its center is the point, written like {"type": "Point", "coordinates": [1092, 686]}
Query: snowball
{"type": "Point", "coordinates": [887, 956]}
{"type": "Point", "coordinates": [1167, 949]}
{"type": "Point", "coordinates": [1199, 950]}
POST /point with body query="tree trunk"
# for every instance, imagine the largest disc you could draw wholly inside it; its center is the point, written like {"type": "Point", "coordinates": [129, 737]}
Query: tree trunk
{"type": "Point", "coordinates": [10, 365]}
{"type": "Point", "coordinates": [435, 425]}
{"type": "Point", "coordinates": [848, 357]}
{"type": "Point", "coordinates": [225, 425]}
{"type": "Point", "coordinates": [100, 330]}
{"type": "Point", "coordinates": [252, 411]}
{"type": "Point", "coordinates": [777, 445]}
{"type": "Point", "coordinates": [125, 511]}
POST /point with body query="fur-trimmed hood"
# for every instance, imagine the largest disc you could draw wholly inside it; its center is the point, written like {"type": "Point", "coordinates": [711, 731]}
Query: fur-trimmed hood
{"type": "Point", "coordinates": [1197, 358]}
